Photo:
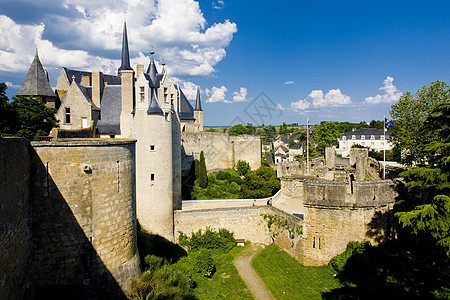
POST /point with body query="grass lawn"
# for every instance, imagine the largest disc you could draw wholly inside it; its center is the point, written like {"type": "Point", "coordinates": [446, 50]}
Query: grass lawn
{"type": "Point", "coordinates": [288, 279]}
{"type": "Point", "coordinates": [225, 283]}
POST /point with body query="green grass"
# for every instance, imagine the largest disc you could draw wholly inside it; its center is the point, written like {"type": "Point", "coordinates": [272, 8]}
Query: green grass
{"type": "Point", "coordinates": [225, 283]}
{"type": "Point", "coordinates": [288, 279]}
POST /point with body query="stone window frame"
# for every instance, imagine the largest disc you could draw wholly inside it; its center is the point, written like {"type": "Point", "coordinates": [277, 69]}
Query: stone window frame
{"type": "Point", "coordinates": [152, 148]}
{"type": "Point", "coordinates": [67, 115]}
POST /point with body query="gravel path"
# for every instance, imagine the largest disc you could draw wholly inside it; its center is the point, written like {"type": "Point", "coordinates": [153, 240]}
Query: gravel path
{"type": "Point", "coordinates": [249, 275]}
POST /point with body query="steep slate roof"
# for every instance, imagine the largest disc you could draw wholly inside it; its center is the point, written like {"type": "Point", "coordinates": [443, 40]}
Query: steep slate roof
{"type": "Point", "coordinates": [152, 74]}
{"type": "Point", "coordinates": [296, 146]}
{"type": "Point", "coordinates": [153, 107]}
{"type": "Point", "coordinates": [198, 104]}
{"type": "Point", "coordinates": [111, 107]}
{"type": "Point", "coordinates": [125, 53]}
{"type": "Point", "coordinates": [186, 110]}
{"type": "Point", "coordinates": [36, 82]}
{"type": "Point", "coordinates": [110, 79]}
{"type": "Point", "coordinates": [367, 132]}
{"type": "Point", "coordinates": [287, 137]}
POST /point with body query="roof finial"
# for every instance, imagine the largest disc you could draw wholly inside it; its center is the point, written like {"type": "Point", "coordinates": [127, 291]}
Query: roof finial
{"type": "Point", "coordinates": [198, 104]}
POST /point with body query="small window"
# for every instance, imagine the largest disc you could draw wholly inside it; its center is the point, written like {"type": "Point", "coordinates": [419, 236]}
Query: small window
{"type": "Point", "coordinates": [67, 115]}
{"type": "Point", "coordinates": [152, 147]}
{"type": "Point", "coordinates": [142, 96]}
{"type": "Point", "coordinates": [372, 137]}
{"type": "Point", "coordinates": [344, 138]}
{"type": "Point", "coordinates": [363, 137]}
{"type": "Point", "coordinates": [353, 137]}
{"type": "Point", "coordinates": [142, 89]}
{"type": "Point", "coordinates": [167, 117]}
{"type": "Point", "coordinates": [152, 177]}
{"type": "Point", "coordinates": [381, 137]}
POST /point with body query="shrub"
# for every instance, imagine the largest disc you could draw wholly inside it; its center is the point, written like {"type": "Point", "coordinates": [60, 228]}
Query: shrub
{"type": "Point", "coordinates": [242, 167]}
{"type": "Point", "coordinates": [204, 264]}
{"type": "Point", "coordinates": [222, 240]}
{"type": "Point", "coordinates": [338, 262]}
{"type": "Point", "coordinates": [154, 262]}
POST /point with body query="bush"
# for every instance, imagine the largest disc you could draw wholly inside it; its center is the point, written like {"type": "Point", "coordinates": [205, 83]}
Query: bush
{"type": "Point", "coordinates": [222, 240]}
{"type": "Point", "coordinates": [242, 167]}
{"type": "Point", "coordinates": [204, 264]}
{"type": "Point", "coordinates": [338, 262]}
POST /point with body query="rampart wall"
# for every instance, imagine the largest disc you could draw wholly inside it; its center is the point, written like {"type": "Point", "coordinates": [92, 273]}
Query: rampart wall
{"type": "Point", "coordinates": [246, 222]}
{"type": "Point", "coordinates": [15, 220]}
{"type": "Point", "coordinates": [220, 149]}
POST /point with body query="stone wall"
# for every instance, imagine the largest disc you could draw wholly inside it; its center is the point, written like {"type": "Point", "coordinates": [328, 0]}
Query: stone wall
{"type": "Point", "coordinates": [15, 220]}
{"type": "Point", "coordinates": [221, 150]}
{"type": "Point", "coordinates": [84, 217]}
{"type": "Point", "coordinates": [246, 222]}
{"type": "Point", "coordinates": [327, 231]}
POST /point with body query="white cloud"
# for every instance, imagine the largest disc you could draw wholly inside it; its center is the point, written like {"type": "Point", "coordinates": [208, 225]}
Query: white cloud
{"type": "Point", "coordinates": [218, 5]}
{"type": "Point", "coordinates": [216, 95]}
{"type": "Point", "coordinates": [289, 82]}
{"type": "Point", "coordinates": [391, 93]}
{"type": "Point", "coordinates": [189, 90]}
{"type": "Point", "coordinates": [12, 85]}
{"type": "Point", "coordinates": [280, 107]}
{"type": "Point", "coordinates": [240, 96]}
{"type": "Point", "coordinates": [317, 99]}
{"type": "Point", "coordinates": [333, 98]}
{"type": "Point", "coordinates": [300, 105]}
{"type": "Point", "coordinates": [87, 34]}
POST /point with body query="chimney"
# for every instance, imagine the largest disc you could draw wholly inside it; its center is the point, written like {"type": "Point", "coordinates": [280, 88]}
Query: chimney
{"type": "Point", "coordinates": [97, 87]}
{"type": "Point", "coordinates": [139, 69]}
{"type": "Point", "coordinates": [127, 78]}
{"type": "Point", "coordinates": [85, 80]}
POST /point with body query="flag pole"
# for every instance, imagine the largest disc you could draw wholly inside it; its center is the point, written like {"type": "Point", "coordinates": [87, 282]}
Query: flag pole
{"type": "Point", "coordinates": [307, 146]}
{"type": "Point", "coordinates": [384, 148]}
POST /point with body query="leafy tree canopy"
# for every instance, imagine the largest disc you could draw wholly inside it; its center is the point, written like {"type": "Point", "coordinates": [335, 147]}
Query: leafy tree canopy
{"type": "Point", "coordinates": [26, 117]}
{"type": "Point", "coordinates": [409, 115]}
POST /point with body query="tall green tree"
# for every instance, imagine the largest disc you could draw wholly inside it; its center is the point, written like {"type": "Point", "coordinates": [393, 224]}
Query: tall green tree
{"type": "Point", "coordinates": [424, 205]}
{"type": "Point", "coordinates": [7, 115]}
{"type": "Point", "coordinates": [250, 129]}
{"type": "Point", "coordinates": [408, 115]}
{"type": "Point", "coordinates": [202, 173]}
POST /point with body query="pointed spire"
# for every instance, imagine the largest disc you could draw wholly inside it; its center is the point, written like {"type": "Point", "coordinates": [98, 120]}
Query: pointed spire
{"type": "Point", "coordinates": [36, 82]}
{"type": "Point", "coordinates": [198, 104]}
{"type": "Point", "coordinates": [153, 107]}
{"type": "Point", "coordinates": [152, 72]}
{"type": "Point", "coordinates": [125, 53]}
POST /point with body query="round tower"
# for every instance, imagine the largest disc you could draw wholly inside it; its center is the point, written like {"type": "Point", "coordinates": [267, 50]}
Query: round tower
{"type": "Point", "coordinates": [154, 157]}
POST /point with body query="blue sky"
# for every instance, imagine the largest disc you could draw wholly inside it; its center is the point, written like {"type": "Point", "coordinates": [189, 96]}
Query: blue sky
{"type": "Point", "coordinates": [326, 60]}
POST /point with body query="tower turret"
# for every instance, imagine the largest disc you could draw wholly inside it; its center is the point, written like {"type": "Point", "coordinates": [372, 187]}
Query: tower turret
{"type": "Point", "coordinates": [198, 113]}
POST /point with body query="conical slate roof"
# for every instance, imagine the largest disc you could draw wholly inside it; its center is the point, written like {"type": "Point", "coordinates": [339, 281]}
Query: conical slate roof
{"type": "Point", "coordinates": [36, 82]}
{"type": "Point", "coordinates": [153, 74]}
{"type": "Point", "coordinates": [125, 53]}
{"type": "Point", "coordinates": [198, 104]}
{"type": "Point", "coordinates": [153, 107]}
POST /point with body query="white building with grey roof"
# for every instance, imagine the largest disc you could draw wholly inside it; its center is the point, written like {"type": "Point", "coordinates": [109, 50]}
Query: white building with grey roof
{"type": "Point", "coordinates": [369, 137]}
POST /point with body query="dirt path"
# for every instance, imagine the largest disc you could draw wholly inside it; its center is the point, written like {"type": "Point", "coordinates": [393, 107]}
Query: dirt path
{"type": "Point", "coordinates": [249, 275]}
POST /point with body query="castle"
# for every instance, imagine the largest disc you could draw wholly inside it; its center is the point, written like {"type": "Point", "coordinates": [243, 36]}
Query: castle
{"type": "Point", "coordinates": [71, 205]}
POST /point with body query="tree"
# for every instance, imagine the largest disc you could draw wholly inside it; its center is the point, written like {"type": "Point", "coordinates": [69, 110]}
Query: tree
{"type": "Point", "coordinates": [202, 173]}
{"type": "Point", "coordinates": [408, 115]}
{"type": "Point", "coordinates": [237, 130]}
{"type": "Point", "coordinates": [250, 129]}
{"type": "Point", "coordinates": [242, 167]}
{"type": "Point", "coordinates": [26, 117]}
{"type": "Point", "coordinates": [269, 134]}
{"type": "Point", "coordinates": [260, 183]}
{"type": "Point", "coordinates": [424, 205]}
{"type": "Point", "coordinates": [7, 116]}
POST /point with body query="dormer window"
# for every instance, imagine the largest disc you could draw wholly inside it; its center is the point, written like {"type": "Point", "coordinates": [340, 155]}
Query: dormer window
{"type": "Point", "coordinates": [142, 93]}
{"type": "Point", "coordinates": [344, 138]}
{"type": "Point", "coordinates": [353, 137]}
{"type": "Point", "coordinates": [372, 137]}
{"type": "Point", "coordinates": [363, 137]}
{"type": "Point", "coordinates": [381, 137]}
